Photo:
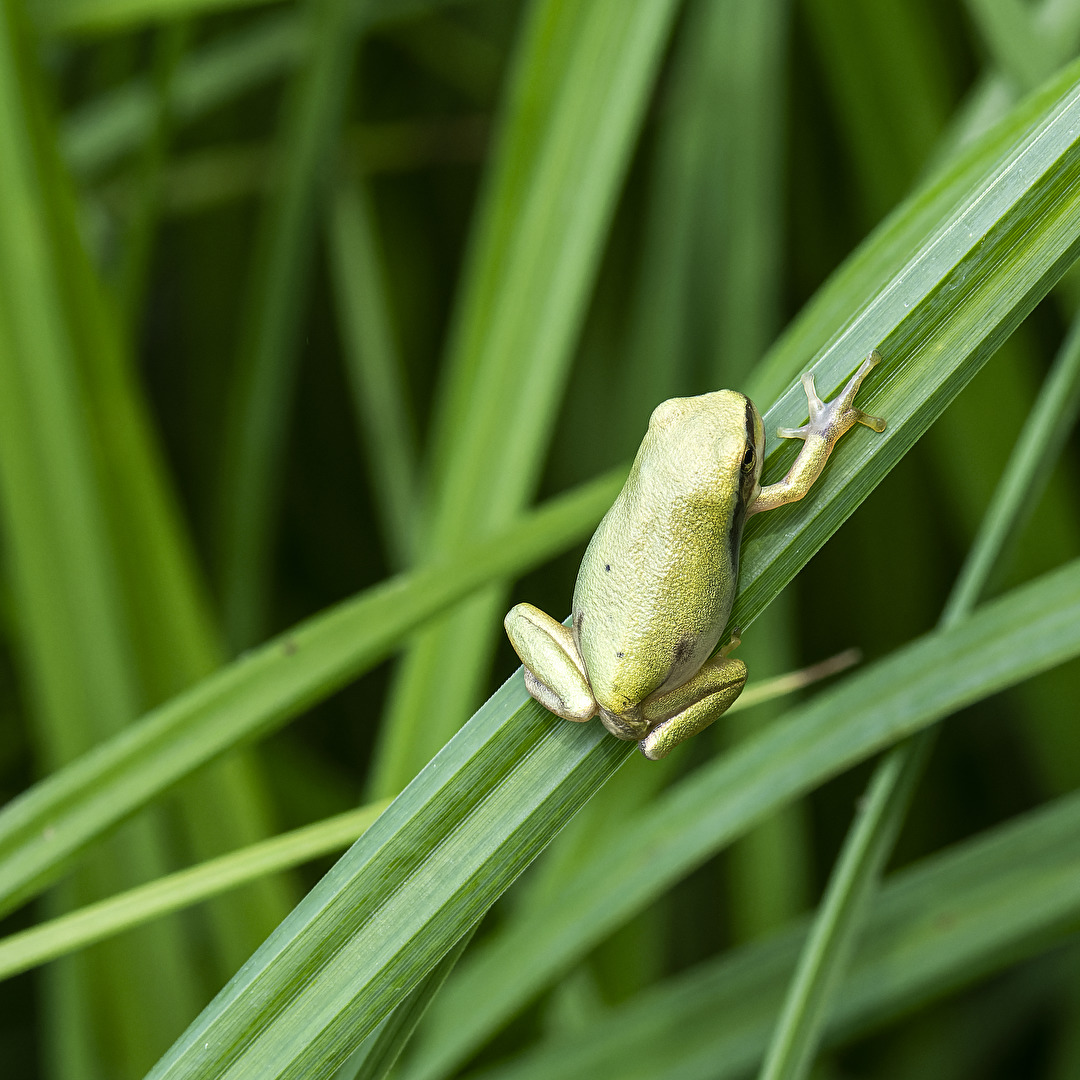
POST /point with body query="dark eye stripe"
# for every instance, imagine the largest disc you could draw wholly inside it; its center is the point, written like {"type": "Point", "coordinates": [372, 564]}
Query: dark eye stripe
{"type": "Point", "coordinates": [738, 516]}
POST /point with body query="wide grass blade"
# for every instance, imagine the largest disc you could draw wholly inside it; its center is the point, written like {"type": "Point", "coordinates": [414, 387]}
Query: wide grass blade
{"type": "Point", "coordinates": [498, 791]}
{"type": "Point", "coordinates": [79, 668]}
{"type": "Point", "coordinates": [960, 290]}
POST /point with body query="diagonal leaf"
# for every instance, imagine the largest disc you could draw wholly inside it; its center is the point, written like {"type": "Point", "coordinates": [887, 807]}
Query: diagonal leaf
{"type": "Point", "coordinates": [980, 269]}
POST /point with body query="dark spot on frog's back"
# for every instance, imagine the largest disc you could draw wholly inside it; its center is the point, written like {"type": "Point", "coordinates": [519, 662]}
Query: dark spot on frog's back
{"type": "Point", "coordinates": [683, 648]}
{"type": "Point", "coordinates": [607, 566]}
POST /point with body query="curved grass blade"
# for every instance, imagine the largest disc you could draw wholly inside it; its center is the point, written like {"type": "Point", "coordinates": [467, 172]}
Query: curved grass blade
{"type": "Point", "coordinates": [42, 829]}
{"type": "Point", "coordinates": [871, 837]}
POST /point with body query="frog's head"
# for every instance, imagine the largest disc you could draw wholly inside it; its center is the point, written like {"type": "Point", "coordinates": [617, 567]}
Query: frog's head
{"type": "Point", "coordinates": [713, 443]}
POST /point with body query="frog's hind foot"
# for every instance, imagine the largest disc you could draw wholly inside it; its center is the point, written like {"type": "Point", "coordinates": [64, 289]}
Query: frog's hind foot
{"type": "Point", "coordinates": [553, 675]}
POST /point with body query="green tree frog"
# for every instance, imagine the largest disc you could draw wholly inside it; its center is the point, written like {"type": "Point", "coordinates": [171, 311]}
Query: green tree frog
{"type": "Point", "coordinates": [657, 581]}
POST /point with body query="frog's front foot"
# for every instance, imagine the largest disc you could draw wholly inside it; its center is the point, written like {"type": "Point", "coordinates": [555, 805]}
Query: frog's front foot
{"type": "Point", "coordinates": [553, 673]}
{"type": "Point", "coordinates": [829, 420]}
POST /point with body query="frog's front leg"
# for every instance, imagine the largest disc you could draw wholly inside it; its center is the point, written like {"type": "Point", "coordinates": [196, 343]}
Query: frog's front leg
{"type": "Point", "coordinates": [692, 707]}
{"type": "Point", "coordinates": [828, 421]}
{"type": "Point", "coordinates": [554, 673]}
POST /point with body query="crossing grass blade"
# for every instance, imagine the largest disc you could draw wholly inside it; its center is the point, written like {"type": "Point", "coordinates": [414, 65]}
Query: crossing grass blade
{"type": "Point", "coordinates": [720, 801]}
{"type": "Point", "coordinates": [957, 916]}
{"type": "Point", "coordinates": [96, 922]}
{"type": "Point", "coordinates": [482, 809]}
{"type": "Point", "coordinates": [47, 825]}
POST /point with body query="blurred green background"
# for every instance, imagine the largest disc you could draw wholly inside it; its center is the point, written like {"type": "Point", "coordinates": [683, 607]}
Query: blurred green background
{"type": "Point", "coordinates": [248, 361]}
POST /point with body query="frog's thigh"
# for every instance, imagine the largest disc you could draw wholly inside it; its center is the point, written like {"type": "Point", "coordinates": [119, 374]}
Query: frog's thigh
{"type": "Point", "coordinates": [553, 673]}
{"type": "Point", "coordinates": [698, 703]}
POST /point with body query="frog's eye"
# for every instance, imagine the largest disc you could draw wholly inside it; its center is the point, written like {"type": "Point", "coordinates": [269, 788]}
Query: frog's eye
{"type": "Point", "coordinates": [748, 459]}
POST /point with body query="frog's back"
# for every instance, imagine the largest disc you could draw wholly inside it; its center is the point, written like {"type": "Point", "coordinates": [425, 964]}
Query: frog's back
{"type": "Point", "coordinates": [657, 582]}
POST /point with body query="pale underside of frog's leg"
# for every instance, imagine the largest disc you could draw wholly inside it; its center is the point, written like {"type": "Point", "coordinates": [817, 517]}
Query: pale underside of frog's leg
{"type": "Point", "coordinates": [692, 707]}
{"type": "Point", "coordinates": [554, 674]}
{"type": "Point", "coordinates": [828, 421]}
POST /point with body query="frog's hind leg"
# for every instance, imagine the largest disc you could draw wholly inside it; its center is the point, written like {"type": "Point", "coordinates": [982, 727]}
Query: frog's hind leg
{"type": "Point", "coordinates": [553, 673]}
{"type": "Point", "coordinates": [692, 707]}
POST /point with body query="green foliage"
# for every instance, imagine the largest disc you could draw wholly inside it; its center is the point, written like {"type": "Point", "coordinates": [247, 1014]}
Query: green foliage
{"type": "Point", "coordinates": [320, 327]}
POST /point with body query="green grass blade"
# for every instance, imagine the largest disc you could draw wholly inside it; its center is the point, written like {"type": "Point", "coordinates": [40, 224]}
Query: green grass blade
{"type": "Point", "coordinates": [42, 829]}
{"type": "Point", "coordinates": [96, 922]}
{"type": "Point", "coordinates": [882, 256]}
{"type": "Point", "coordinates": [1016, 41]}
{"type": "Point", "coordinates": [955, 917]}
{"type": "Point", "coordinates": [262, 381]}
{"type": "Point", "coordinates": [909, 690]}
{"type": "Point", "coordinates": [374, 366]}
{"type": "Point", "coordinates": [1045, 431]}
{"type": "Point", "coordinates": [102, 130]}
{"type": "Point", "coordinates": [577, 97]}
{"type": "Point", "coordinates": [395, 904]}
{"type": "Point", "coordinates": [1043, 194]}
{"type": "Point", "coordinates": [890, 111]}
{"type": "Point", "coordinates": [381, 1049]}
{"type": "Point", "coordinates": [74, 640]}
{"type": "Point", "coordinates": [503, 786]}
{"type": "Point", "coordinates": [102, 16]}
{"type": "Point", "coordinates": [901, 317]}
{"type": "Point", "coordinates": [852, 883]}
{"type": "Point", "coordinates": [169, 47]}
